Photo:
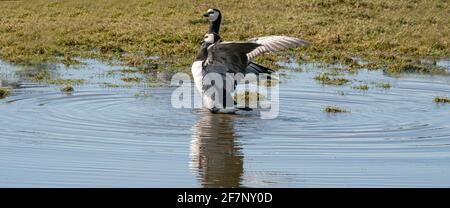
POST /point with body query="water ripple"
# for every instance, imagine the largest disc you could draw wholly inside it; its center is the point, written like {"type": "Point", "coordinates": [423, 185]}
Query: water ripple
{"type": "Point", "coordinates": [109, 137]}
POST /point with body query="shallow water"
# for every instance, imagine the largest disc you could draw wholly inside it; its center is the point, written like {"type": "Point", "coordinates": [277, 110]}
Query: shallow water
{"type": "Point", "coordinates": [131, 136]}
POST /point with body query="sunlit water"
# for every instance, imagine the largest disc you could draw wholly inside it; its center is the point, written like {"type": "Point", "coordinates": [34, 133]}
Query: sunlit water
{"type": "Point", "coordinates": [132, 137]}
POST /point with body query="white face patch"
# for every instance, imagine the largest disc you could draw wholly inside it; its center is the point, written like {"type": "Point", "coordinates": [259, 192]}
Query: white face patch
{"type": "Point", "coordinates": [209, 38]}
{"type": "Point", "coordinates": [213, 15]}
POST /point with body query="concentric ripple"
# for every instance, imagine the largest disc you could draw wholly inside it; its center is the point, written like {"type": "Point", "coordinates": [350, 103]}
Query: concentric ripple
{"type": "Point", "coordinates": [110, 137]}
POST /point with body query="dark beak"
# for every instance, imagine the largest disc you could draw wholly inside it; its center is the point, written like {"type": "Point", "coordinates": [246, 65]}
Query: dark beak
{"type": "Point", "coordinates": [206, 14]}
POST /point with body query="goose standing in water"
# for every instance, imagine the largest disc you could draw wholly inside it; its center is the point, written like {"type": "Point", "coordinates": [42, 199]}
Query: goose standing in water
{"type": "Point", "coordinates": [219, 60]}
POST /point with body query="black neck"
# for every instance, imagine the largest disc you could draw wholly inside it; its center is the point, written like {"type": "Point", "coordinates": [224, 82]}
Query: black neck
{"type": "Point", "coordinates": [215, 26]}
{"type": "Point", "coordinates": [203, 53]}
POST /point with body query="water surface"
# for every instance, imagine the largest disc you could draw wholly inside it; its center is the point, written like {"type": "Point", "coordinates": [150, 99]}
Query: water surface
{"type": "Point", "coordinates": [100, 136]}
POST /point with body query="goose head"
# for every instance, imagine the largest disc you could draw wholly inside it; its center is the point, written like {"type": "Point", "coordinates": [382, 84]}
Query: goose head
{"type": "Point", "coordinates": [212, 14]}
{"type": "Point", "coordinates": [210, 38]}
{"type": "Point", "coordinates": [214, 17]}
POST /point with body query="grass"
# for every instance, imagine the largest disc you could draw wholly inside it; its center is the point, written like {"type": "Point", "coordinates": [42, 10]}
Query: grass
{"type": "Point", "coordinates": [335, 109]}
{"type": "Point", "coordinates": [389, 34]}
{"type": "Point", "coordinates": [415, 68]}
{"type": "Point", "coordinates": [40, 76]}
{"type": "Point", "coordinates": [128, 71]}
{"type": "Point", "coordinates": [361, 87]}
{"type": "Point", "coordinates": [4, 92]}
{"type": "Point", "coordinates": [248, 97]}
{"type": "Point", "coordinates": [384, 85]}
{"type": "Point", "coordinates": [111, 85]}
{"type": "Point", "coordinates": [327, 79]}
{"type": "Point", "coordinates": [269, 82]}
{"type": "Point", "coordinates": [67, 89]}
{"type": "Point", "coordinates": [131, 79]}
{"type": "Point", "coordinates": [67, 82]}
{"type": "Point", "coordinates": [142, 94]}
{"type": "Point", "coordinates": [142, 70]}
{"type": "Point", "coordinates": [440, 99]}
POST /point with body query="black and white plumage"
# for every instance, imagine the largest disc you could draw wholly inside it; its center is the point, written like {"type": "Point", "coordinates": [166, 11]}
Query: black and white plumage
{"type": "Point", "coordinates": [215, 17]}
{"type": "Point", "coordinates": [232, 55]}
{"type": "Point", "coordinates": [224, 58]}
{"type": "Point", "coordinates": [221, 58]}
{"type": "Point", "coordinates": [216, 61]}
{"type": "Point", "coordinates": [273, 44]}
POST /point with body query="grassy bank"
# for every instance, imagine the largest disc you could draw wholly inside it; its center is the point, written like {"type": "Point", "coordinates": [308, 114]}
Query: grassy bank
{"type": "Point", "coordinates": [392, 34]}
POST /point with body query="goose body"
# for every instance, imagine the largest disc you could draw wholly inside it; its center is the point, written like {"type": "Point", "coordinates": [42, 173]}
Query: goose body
{"type": "Point", "coordinates": [196, 70]}
{"type": "Point", "coordinates": [233, 57]}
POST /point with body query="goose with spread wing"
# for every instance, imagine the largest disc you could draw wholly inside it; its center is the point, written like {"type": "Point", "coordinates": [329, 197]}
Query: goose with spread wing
{"type": "Point", "coordinates": [216, 60]}
{"type": "Point", "coordinates": [269, 44]}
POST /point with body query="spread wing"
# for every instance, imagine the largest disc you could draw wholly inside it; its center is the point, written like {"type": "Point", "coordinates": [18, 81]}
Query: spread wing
{"type": "Point", "coordinates": [223, 58]}
{"type": "Point", "coordinates": [273, 44]}
{"type": "Point", "coordinates": [231, 57]}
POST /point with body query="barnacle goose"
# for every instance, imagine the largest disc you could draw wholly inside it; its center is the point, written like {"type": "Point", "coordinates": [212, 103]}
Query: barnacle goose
{"type": "Point", "coordinates": [224, 58]}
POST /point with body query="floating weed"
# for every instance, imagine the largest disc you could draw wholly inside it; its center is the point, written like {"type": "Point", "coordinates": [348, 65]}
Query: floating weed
{"type": "Point", "coordinates": [441, 99]}
{"type": "Point", "coordinates": [131, 79]}
{"type": "Point", "coordinates": [361, 87]}
{"type": "Point", "coordinates": [248, 97]}
{"type": "Point", "coordinates": [129, 71]}
{"type": "Point", "coordinates": [40, 76]}
{"type": "Point", "coordinates": [353, 69]}
{"type": "Point", "coordinates": [334, 73]}
{"type": "Point", "coordinates": [65, 81]}
{"type": "Point", "coordinates": [43, 76]}
{"type": "Point", "coordinates": [385, 86]}
{"type": "Point", "coordinates": [325, 79]}
{"type": "Point", "coordinates": [109, 85]}
{"type": "Point", "coordinates": [142, 94]}
{"type": "Point", "coordinates": [269, 82]}
{"type": "Point", "coordinates": [415, 68]}
{"type": "Point", "coordinates": [4, 92]}
{"type": "Point", "coordinates": [335, 109]}
{"type": "Point", "coordinates": [67, 89]}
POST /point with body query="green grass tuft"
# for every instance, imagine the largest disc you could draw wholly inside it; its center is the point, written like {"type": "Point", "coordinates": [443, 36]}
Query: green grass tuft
{"type": "Point", "coordinates": [335, 109]}
{"type": "Point", "coordinates": [415, 68]}
{"type": "Point", "coordinates": [4, 92]}
{"type": "Point", "coordinates": [361, 87]}
{"type": "Point", "coordinates": [384, 85]}
{"type": "Point", "coordinates": [325, 79]}
{"type": "Point", "coordinates": [67, 89]}
{"type": "Point", "coordinates": [441, 99]}
{"type": "Point", "coordinates": [65, 81]}
{"type": "Point", "coordinates": [131, 79]}
{"type": "Point", "coordinates": [339, 30]}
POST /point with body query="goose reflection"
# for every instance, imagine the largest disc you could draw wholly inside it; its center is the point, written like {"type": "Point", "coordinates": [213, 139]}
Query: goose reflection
{"type": "Point", "coordinates": [215, 155]}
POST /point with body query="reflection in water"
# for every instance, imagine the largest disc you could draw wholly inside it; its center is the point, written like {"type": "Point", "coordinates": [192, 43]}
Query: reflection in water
{"type": "Point", "coordinates": [214, 152]}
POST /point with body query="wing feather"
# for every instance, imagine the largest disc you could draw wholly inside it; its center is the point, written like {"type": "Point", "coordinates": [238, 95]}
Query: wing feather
{"type": "Point", "coordinates": [273, 44]}
{"type": "Point", "coordinates": [231, 55]}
